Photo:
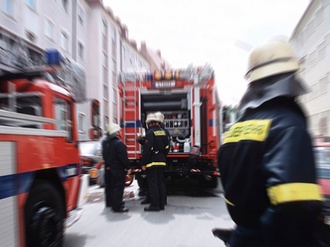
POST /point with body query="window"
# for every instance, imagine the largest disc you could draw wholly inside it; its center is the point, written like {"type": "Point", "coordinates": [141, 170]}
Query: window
{"type": "Point", "coordinates": [105, 92]}
{"type": "Point", "coordinates": [65, 5]}
{"type": "Point", "coordinates": [32, 4]}
{"type": "Point", "coordinates": [64, 41]}
{"type": "Point", "coordinates": [63, 117]}
{"type": "Point", "coordinates": [323, 85]}
{"type": "Point", "coordinates": [114, 49]}
{"type": "Point", "coordinates": [106, 122]}
{"type": "Point", "coordinates": [113, 39]}
{"type": "Point", "coordinates": [81, 51]}
{"type": "Point", "coordinates": [105, 60]}
{"type": "Point", "coordinates": [30, 36]}
{"type": "Point", "coordinates": [23, 104]}
{"type": "Point", "coordinates": [114, 34]}
{"type": "Point", "coordinates": [114, 66]}
{"type": "Point", "coordinates": [95, 113]}
{"type": "Point", "coordinates": [49, 29]}
{"type": "Point", "coordinates": [114, 95]}
{"type": "Point", "coordinates": [104, 28]}
{"type": "Point", "coordinates": [81, 121]}
{"type": "Point", "coordinates": [114, 113]}
{"type": "Point", "coordinates": [81, 15]}
{"type": "Point", "coordinates": [29, 105]}
{"type": "Point", "coordinates": [8, 7]}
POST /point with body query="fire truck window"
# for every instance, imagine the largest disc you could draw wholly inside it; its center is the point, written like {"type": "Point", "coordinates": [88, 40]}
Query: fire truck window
{"type": "Point", "coordinates": [26, 104]}
{"type": "Point", "coordinates": [30, 105]}
{"type": "Point", "coordinates": [63, 117]}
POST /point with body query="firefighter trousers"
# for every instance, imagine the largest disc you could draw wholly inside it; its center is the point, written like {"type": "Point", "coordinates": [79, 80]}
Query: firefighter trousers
{"type": "Point", "coordinates": [107, 188]}
{"type": "Point", "coordinates": [117, 188]}
{"type": "Point", "coordinates": [155, 179]}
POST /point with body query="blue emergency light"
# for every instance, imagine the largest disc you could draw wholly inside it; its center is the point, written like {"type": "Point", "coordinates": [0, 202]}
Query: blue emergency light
{"type": "Point", "coordinates": [53, 57]}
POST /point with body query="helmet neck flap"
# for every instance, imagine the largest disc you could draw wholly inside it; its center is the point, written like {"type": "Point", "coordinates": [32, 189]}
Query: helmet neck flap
{"type": "Point", "coordinates": [261, 91]}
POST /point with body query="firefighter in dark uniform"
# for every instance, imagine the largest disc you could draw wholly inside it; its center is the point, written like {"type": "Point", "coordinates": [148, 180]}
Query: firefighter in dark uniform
{"type": "Point", "coordinates": [141, 139]}
{"type": "Point", "coordinates": [153, 162]}
{"type": "Point", "coordinates": [266, 160]}
{"type": "Point", "coordinates": [115, 155]}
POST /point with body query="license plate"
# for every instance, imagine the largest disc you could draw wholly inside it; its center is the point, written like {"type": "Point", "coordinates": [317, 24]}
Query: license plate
{"type": "Point", "coordinates": [327, 220]}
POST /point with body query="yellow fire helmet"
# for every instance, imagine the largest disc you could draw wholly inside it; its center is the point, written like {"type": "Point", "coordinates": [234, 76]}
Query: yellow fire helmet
{"type": "Point", "coordinates": [271, 58]}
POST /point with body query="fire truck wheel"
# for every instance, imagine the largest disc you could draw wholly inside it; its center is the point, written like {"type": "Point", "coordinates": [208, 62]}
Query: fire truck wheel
{"type": "Point", "coordinates": [44, 216]}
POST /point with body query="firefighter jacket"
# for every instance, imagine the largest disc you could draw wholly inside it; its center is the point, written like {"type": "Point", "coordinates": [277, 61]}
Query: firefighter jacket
{"type": "Point", "coordinates": [268, 173]}
{"type": "Point", "coordinates": [114, 153]}
{"type": "Point", "coordinates": [155, 147]}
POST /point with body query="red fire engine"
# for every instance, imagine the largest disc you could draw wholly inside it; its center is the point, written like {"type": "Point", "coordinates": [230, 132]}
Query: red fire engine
{"type": "Point", "coordinates": [42, 188]}
{"type": "Point", "coordinates": [189, 102]}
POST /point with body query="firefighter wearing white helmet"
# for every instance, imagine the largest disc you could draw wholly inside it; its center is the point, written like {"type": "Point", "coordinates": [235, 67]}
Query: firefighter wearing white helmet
{"type": "Point", "coordinates": [153, 161]}
{"type": "Point", "coordinates": [116, 165]}
{"type": "Point", "coordinates": [151, 117]}
{"type": "Point", "coordinates": [266, 160]}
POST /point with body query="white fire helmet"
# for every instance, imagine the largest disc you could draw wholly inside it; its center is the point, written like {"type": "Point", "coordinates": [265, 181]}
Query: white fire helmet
{"type": "Point", "coordinates": [271, 58]}
{"type": "Point", "coordinates": [159, 116]}
{"type": "Point", "coordinates": [113, 128]}
{"type": "Point", "coordinates": [151, 117]}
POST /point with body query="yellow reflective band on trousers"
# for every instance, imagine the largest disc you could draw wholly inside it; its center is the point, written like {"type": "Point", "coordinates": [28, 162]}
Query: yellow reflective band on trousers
{"type": "Point", "coordinates": [294, 192]}
{"type": "Point", "coordinates": [156, 164]}
{"type": "Point", "coordinates": [254, 130]}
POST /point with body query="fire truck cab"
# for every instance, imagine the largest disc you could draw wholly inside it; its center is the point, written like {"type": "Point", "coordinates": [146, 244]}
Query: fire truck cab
{"type": "Point", "coordinates": [42, 188]}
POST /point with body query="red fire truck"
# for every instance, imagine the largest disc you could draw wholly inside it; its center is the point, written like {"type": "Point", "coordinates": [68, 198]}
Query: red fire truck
{"type": "Point", "coordinates": [42, 188]}
{"type": "Point", "coordinates": [189, 102]}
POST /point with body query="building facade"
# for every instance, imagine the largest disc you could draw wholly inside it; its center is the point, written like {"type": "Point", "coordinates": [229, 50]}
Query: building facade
{"type": "Point", "coordinates": [91, 39]}
{"type": "Point", "coordinates": [311, 38]}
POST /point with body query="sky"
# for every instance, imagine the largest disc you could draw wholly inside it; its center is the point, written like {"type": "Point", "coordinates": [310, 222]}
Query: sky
{"type": "Point", "coordinates": [220, 33]}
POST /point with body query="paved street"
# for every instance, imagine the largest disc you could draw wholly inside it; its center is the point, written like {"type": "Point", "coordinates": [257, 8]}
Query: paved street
{"type": "Point", "coordinates": [190, 215]}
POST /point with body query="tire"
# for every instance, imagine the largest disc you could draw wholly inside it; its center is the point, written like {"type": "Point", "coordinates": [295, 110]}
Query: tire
{"type": "Point", "coordinates": [44, 216]}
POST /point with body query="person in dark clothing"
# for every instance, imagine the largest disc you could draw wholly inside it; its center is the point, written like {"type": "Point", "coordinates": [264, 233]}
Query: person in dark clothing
{"type": "Point", "coordinates": [115, 156]}
{"type": "Point", "coordinates": [141, 139]}
{"type": "Point", "coordinates": [266, 160]}
{"type": "Point", "coordinates": [153, 161]}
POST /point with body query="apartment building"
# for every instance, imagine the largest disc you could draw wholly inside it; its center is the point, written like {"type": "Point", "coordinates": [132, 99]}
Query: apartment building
{"type": "Point", "coordinates": [92, 40]}
{"type": "Point", "coordinates": [311, 38]}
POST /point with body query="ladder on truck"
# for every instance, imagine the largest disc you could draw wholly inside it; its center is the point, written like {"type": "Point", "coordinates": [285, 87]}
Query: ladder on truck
{"type": "Point", "coordinates": [130, 117]}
